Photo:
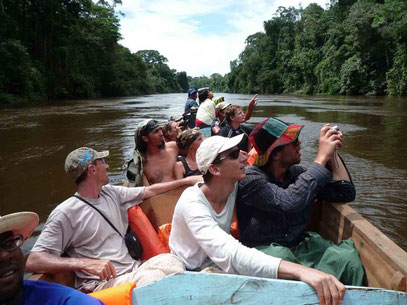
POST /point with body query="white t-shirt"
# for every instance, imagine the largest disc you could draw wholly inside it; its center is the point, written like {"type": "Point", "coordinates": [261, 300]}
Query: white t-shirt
{"type": "Point", "coordinates": [200, 237]}
{"type": "Point", "coordinates": [78, 230]}
{"type": "Point", "coordinates": [206, 112]}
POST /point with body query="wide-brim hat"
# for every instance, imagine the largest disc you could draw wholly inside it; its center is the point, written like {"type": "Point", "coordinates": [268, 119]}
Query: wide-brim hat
{"type": "Point", "coordinates": [268, 135]}
{"type": "Point", "coordinates": [211, 147]}
{"type": "Point", "coordinates": [22, 223]}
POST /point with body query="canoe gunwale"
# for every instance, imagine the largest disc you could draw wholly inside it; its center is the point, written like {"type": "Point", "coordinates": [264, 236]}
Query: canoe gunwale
{"type": "Point", "coordinates": [384, 261]}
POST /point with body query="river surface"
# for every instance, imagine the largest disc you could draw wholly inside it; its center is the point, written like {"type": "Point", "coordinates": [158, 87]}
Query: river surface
{"type": "Point", "coordinates": [36, 140]}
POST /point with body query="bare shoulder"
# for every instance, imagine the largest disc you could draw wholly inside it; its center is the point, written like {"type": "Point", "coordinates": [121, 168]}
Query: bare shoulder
{"type": "Point", "coordinates": [172, 147]}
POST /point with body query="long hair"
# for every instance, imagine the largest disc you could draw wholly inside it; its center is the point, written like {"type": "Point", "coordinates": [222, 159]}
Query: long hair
{"type": "Point", "coordinates": [203, 95]}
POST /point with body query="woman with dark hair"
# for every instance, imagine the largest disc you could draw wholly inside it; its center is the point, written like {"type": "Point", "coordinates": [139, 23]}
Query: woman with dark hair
{"type": "Point", "coordinates": [206, 110]}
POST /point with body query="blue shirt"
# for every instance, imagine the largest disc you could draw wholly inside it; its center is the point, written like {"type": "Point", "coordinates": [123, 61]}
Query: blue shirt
{"type": "Point", "coordinates": [45, 293]}
{"type": "Point", "coordinates": [189, 104]}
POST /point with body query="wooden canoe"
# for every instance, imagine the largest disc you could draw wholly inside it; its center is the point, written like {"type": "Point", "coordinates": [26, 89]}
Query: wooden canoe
{"type": "Point", "coordinates": [385, 263]}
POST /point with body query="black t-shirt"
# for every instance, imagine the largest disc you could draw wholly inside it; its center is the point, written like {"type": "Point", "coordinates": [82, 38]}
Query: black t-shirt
{"type": "Point", "coordinates": [229, 132]}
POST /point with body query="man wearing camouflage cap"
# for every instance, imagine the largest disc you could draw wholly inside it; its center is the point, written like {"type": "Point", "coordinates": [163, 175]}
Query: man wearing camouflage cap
{"type": "Point", "coordinates": [95, 252]}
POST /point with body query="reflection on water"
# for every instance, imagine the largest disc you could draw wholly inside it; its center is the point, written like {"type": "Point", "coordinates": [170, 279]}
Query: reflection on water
{"type": "Point", "coordinates": [36, 140]}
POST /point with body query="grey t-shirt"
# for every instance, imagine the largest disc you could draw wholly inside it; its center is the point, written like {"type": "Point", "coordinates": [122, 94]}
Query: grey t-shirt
{"type": "Point", "coordinates": [78, 230]}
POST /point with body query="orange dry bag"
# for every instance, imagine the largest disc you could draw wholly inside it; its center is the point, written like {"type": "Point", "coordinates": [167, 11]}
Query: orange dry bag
{"type": "Point", "coordinates": [139, 224]}
{"type": "Point", "coordinates": [164, 234]}
{"type": "Point", "coordinates": [120, 294]}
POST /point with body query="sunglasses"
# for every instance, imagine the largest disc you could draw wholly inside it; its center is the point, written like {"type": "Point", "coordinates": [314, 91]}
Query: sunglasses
{"type": "Point", "coordinates": [234, 154]}
{"type": "Point", "coordinates": [102, 160]}
{"type": "Point", "coordinates": [12, 243]}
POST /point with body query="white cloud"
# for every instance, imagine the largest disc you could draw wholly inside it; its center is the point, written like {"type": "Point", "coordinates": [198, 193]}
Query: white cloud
{"type": "Point", "coordinates": [169, 27]}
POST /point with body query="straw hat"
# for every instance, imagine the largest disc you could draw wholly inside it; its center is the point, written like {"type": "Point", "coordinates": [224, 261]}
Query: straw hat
{"type": "Point", "coordinates": [22, 223]}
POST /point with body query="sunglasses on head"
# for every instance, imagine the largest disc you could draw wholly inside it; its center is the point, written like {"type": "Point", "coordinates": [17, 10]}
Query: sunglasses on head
{"type": "Point", "coordinates": [234, 154]}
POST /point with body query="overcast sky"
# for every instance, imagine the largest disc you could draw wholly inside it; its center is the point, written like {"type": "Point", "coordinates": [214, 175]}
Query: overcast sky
{"type": "Point", "coordinates": [200, 37]}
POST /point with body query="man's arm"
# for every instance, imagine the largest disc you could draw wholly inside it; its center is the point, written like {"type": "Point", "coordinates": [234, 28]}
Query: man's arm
{"type": "Point", "coordinates": [44, 262]}
{"type": "Point", "coordinates": [179, 170]}
{"type": "Point", "coordinates": [232, 256]}
{"type": "Point", "coordinates": [163, 187]}
{"type": "Point", "coordinates": [250, 108]}
{"type": "Point", "coordinates": [255, 190]}
{"type": "Point", "coordinates": [343, 189]}
{"type": "Point", "coordinates": [328, 288]}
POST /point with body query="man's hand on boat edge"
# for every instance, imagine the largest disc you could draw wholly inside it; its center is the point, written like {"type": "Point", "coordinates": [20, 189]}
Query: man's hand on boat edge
{"type": "Point", "coordinates": [330, 291]}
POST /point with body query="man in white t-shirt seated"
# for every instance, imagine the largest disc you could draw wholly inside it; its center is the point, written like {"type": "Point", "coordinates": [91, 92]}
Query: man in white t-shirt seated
{"type": "Point", "coordinates": [203, 215]}
{"type": "Point", "coordinates": [96, 251]}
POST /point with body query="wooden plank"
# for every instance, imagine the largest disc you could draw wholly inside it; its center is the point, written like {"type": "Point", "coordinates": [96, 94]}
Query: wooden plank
{"type": "Point", "coordinates": [203, 288]}
{"type": "Point", "coordinates": [63, 278]}
{"type": "Point", "coordinates": [159, 209]}
{"type": "Point", "coordinates": [385, 263]}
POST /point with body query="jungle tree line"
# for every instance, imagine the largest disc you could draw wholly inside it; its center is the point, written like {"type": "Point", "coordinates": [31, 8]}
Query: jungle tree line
{"type": "Point", "coordinates": [354, 47]}
{"type": "Point", "coordinates": [51, 49]}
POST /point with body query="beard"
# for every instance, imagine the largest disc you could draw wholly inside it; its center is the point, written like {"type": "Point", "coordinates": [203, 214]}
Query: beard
{"type": "Point", "coordinates": [162, 145]}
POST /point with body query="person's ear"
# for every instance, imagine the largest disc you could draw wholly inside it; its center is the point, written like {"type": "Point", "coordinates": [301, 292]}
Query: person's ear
{"type": "Point", "coordinates": [214, 170]}
{"type": "Point", "coordinates": [91, 169]}
{"type": "Point", "coordinates": [276, 156]}
{"type": "Point", "coordinates": [144, 138]}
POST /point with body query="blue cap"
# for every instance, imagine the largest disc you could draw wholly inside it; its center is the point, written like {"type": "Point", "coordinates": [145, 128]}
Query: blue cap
{"type": "Point", "coordinates": [191, 91]}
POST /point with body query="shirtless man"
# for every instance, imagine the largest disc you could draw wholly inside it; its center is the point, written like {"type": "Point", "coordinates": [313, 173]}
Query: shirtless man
{"type": "Point", "coordinates": [158, 156]}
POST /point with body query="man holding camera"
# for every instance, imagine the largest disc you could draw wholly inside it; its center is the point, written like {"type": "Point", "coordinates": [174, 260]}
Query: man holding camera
{"type": "Point", "coordinates": [275, 200]}
{"type": "Point", "coordinates": [78, 238]}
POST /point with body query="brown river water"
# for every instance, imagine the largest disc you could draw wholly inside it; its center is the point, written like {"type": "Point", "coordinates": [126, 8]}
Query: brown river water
{"type": "Point", "coordinates": [36, 140]}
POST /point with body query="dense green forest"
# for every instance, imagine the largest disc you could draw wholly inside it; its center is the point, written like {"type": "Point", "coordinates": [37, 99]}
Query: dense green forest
{"type": "Point", "coordinates": [51, 49]}
{"type": "Point", "coordinates": [351, 48]}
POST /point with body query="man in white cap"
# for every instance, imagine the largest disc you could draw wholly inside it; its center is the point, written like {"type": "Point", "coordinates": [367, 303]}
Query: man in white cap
{"type": "Point", "coordinates": [203, 215]}
{"type": "Point", "coordinates": [15, 229]}
{"type": "Point", "coordinates": [96, 251]}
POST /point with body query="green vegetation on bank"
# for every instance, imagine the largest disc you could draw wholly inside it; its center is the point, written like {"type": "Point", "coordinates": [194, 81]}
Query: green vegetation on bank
{"type": "Point", "coordinates": [52, 49]}
{"type": "Point", "coordinates": [354, 47]}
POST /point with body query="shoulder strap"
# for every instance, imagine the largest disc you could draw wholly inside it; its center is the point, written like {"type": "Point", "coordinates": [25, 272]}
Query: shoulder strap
{"type": "Point", "coordinates": [230, 133]}
{"type": "Point", "coordinates": [184, 162]}
{"type": "Point", "coordinates": [80, 198]}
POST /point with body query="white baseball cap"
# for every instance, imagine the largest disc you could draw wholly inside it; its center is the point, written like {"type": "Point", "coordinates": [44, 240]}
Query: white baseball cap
{"type": "Point", "coordinates": [213, 146]}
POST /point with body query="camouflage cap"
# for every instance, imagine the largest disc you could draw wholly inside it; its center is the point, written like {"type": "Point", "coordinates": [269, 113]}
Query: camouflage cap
{"type": "Point", "coordinates": [187, 137]}
{"type": "Point", "coordinates": [79, 160]}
